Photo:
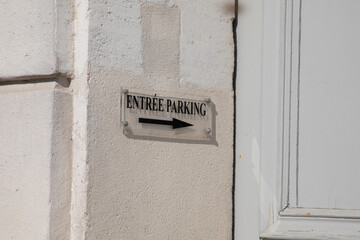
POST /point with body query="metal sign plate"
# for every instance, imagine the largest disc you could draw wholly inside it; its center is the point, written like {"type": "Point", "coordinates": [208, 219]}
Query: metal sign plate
{"type": "Point", "coordinates": [166, 117]}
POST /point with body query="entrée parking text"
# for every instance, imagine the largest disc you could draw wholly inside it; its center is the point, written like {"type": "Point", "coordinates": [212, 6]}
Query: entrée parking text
{"type": "Point", "coordinates": [167, 105]}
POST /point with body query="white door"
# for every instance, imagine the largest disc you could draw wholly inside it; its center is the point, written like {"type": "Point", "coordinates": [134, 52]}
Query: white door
{"type": "Point", "coordinates": [301, 177]}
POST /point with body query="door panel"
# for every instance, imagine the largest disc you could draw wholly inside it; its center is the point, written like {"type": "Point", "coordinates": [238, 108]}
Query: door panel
{"type": "Point", "coordinates": [329, 105]}
{"type": "Point", "coordinates": [309, 166]}
{"type": "Point", "coordinates": [315, 99]}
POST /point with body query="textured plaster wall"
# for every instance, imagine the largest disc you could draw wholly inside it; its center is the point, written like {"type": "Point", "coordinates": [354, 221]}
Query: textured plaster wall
{"type": "Point", "coordinates": [147, 189]}
{"type": "Point", "coordinates": [35, 161]}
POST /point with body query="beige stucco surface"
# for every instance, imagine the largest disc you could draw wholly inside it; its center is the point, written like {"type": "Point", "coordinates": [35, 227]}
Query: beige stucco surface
{"type": "Point", "coordinates": [145, 188]}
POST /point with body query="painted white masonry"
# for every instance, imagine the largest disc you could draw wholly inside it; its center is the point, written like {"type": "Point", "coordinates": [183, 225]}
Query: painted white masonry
{"type": "Point", "coordinates": [66, 169]}
{"type": "Point", "coordinates": [35, 156]}
{"type": "Point", "coordinates": [35, 38]}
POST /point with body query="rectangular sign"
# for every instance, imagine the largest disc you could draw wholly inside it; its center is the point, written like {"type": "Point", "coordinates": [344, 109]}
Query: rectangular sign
{"type": "Point", "coordinates": [166, 117]}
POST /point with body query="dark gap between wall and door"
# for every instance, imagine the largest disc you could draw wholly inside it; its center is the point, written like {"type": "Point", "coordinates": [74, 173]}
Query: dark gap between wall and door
{"type": "Point", "coordinates": [234, 30]}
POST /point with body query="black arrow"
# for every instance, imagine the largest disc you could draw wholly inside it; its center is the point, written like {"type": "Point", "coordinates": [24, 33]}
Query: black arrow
{"type": "Point", "coordinates": [175, 123]}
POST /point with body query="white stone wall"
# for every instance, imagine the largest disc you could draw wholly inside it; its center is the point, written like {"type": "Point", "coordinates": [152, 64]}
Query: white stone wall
{"type": "Point", "coordinates": [67, 171]}
{"type": "Point", "coordinates": [35, 161]}
{"type": "Point", "coordinates": [36, 49]}
{"type": "Point", "coordinates": [36, 38]}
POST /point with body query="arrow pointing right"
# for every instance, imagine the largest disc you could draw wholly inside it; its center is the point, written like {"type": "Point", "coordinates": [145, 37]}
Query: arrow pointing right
{"type": "Point", "coordinates": [175, 123]}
